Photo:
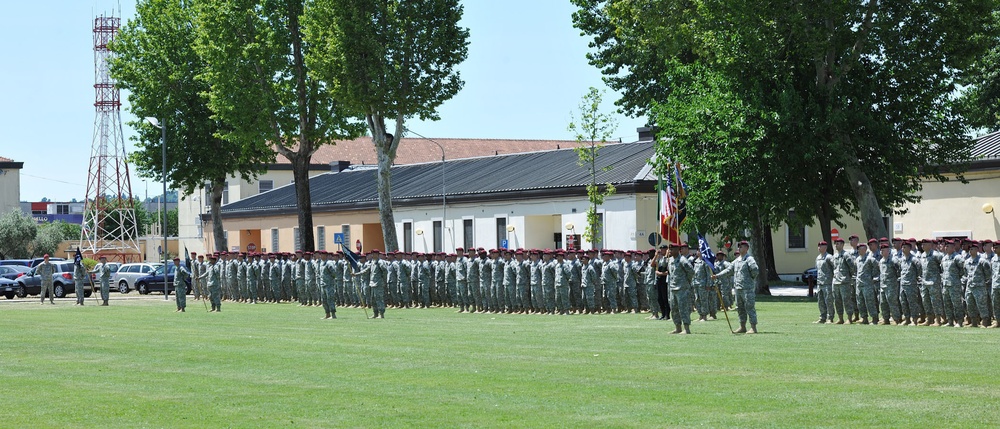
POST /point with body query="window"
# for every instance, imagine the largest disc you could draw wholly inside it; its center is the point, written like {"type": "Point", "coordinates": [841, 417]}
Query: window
{"type": "Point", "coordinates": [407, 236]}
{"type": "Point", "coordinates": [795, 235]}
{"type": "Point", "coordinates": [438, 237]}
{"type": "Point", "coordinates": [297, 239]}
{"type": "Point", "coordinates": [320, 238]}
{"type": "Point", "coordinates": [346, 230]}
{"type": "Point", "coordinates": [225, 193]}
{"type": "Point", "coordinates": [274, 239]}
{"type": "Point", "coordinates": [501, 231]}
{"type": "Point", "coordinates": [201, 227]}
{"type": "Point", "coordinates": [467, 236]}
{"type": "Point", "coordinates": [62, 209]}
{"type": "Point", "coordinates": [265, 185]}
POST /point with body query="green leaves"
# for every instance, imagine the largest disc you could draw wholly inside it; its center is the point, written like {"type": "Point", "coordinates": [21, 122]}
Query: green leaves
{"type": "Point", "coordinates": [592, 129]}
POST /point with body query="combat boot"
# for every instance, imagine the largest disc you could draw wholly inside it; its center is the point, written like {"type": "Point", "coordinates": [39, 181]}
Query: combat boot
{"type": "Point", "coordinates": [743, 328]}
{"type": "Point", "coordinates": [677, 328]}
{"type": "Point", "coordinates": [864, 320]}
{"type": "Point", "coordinates": [753, 329]}
{"type": "Point", "coordinates": [687, 329]}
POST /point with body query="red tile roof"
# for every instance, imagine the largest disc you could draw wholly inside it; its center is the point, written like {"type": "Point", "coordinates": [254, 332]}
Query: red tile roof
{"type": "Point", "coordinates": [417, 150]}
{"type": "Point", "coordinates": [4, 159]}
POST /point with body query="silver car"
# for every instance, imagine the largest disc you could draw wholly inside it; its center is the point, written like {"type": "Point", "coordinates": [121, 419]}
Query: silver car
{"type": "Point", "coordinates": [126, 275]}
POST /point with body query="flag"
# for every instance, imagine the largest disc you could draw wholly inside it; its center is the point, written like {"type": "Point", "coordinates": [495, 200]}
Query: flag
{"type": "Point", "coordinates": [706, 251]}
{"type": "Point", "coordinates": [681, 196]}
{"type": "Point", "coordinates": [187, 264]}
{"type": "Point", "coordinates": [78, 259]}
{"type": "Point", "coordinates": [668, 211]}
{"type": "Point", "coordinates": [352, 258]}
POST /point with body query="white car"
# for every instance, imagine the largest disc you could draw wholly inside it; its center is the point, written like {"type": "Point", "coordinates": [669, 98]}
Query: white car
{"type": "Point", "coordinates": [124, 279]}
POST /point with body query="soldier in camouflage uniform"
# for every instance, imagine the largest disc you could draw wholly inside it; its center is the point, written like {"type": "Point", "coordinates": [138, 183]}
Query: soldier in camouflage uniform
{"type": "Point", "coordinates": [867, 268]}
{"type": "Point", "coordinates": [535, 272]}
{"type": "Point", "coordinates": [952, 273]}
{"type": "Point", "coordinates": [844, 272]}
{"type": "Point", "coordinates": [588, 283]}
{"type": "Point", "coordinates": [702, 287]}
{"type": "Point", "coordinates": [680, 274]}
{"type": "Point", "coordinates": [103, 274]}
{"type": "Point", "coordinates": [888, 280]}
{"type": "Point", "coordinates": [977, 273]}
{"type": "Point", "coordinates": [330, 276]}
{"type": "Point", "coordinates": [563, 271]}
{"type": "Point", "coordinates": [181, 278]}
{"type": "Point", "coordinates": [909, 279]}
{"type": "Point", "coordinates": [213, 277]}
{"type": "Point", "coordinates": [824, 283]}
{"type": "Point", "coordinates": [649, 273]}
{"type": "Point", "coordinates": [523, 280]}
{"type": "Point", "coordinates": [930, 287]}
{"type": "Point", "coordinates": [79, 281]}
{"type": "Point", "coordinates": [630, 283]}
{"type": "Point", "coordinates": [509, 282]}
{"type": "Point", "coordinates": [44, 271]}
{"type": "Point", "coordinates": [744, 271]}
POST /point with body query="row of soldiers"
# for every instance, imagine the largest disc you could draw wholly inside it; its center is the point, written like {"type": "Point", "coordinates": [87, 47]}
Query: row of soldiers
{"type": "Point", "coordinates": [473, 280]}
{"type": "Point", "coordinates": [930, 282]}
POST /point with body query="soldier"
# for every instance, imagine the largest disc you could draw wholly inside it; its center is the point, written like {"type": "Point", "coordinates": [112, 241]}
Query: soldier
{"type": "Point", "coordinates": [680, 273]}
{"type": "Point", "coordinates": [196, 263]}
{"type": "Point", "coordinates": [888, 280]}
{"type": "Point", "coordinates": [451, 280]}
{"type": "Point", "coordinates": [497, 291]}
{"type": "Point", "coordinates": [853, 253]}
{"type": "Point", "coordinates": [867, 268]}
{"type": "Point", "coordinates": [535, 273]}
{"type": "Point", "coordinates": [523, 280]}
{"type": "Point", "coordinates": [461, 266]}
{"type": "Point", "coordinates": [744, 271]}
{"type": "Point", "coordinates": [952, 273]}
{"type": "Point", "coordinates": [995, 285]}
{"type": "Point", "coordinates": [242, 277]}
{"type": "Point", "coordinates": [588, 282]}
{"type": "Point", "coordinates": [424, 279]}
{"type": "Point", "coordinates": [726, 284]}
{"type": "Point", "coordinates": [548, 268]}
{"type": "Point", "coordinates": [701, 285]}
{"type": "Point", "coordinates": [630, 283]}
{"type": "Point", "coordinates": [575, 277]}
{"type": "Point", "coordinates": [79, 280]}
{"type": "Point", "coordinates": [309, 280]}
{"type": "Point", "coordinates": [181, 278]}
{"type": "Point", "coordinates": [213, 276]}
{"type": "Point", "coordinates": [509, 282]}
{"type": "Point", "coordinates": [45, 270]}
{"type": "Point", "coordinates": [662, 265]}
{"type": "Point", "coordinates": [609, 281]}
{"type": "Point", "coordinates": [233, 275]}
{"type": "Point", "coordinates": [930, 287]}
{"type": "Point", "coordinates": [649, 274]}
{"type": "Point", "coordinates": [562, 274]}
{"type": "Point", "coordinates": [844, 272]}
{"type": "Point", "coordinates": [824, 283]}
{"type": "Point", "coordinates": [977, 273]}
{"type": "Point", "coordinates": [103, 273]}
{"type": "Point", "coordinates": [909, 277]}
{"type": "Point", "coordinates": [330, 276]}
{"type": "Point", "coordinates": [378, 275]}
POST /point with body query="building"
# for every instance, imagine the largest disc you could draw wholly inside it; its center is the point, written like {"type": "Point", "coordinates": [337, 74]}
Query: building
{"type": "Point", "coordinates": [50, 211]}
{"type": "Point", "coordinates": [10, 184]}
{"type": "Point", "coordinates": [193, 209]}
{"type": "Point", "coordinates": [525, 200]}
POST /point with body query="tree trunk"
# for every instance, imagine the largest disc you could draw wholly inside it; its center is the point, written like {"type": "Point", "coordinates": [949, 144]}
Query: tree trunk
{"type": "Point", "coordinates": [303, 200]}
{"type": "Point", "coordinates": [385, 153]}
{"type": "Point", "coordinates": [871, 214]}
{"type": "Point", "coordinates": [825, 216]}
{"type": "Point", "coordinates": [764, 254]}
{"type": "Point", "coordinates": [218, 232]}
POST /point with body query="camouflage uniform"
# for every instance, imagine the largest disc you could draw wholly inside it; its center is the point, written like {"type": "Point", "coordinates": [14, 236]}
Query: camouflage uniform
{"type": "Point", "coordinates": [930, 287]}
{"type": "Point", "coordinates": [867, 268]}
{"type": "Point", "coordinates": [744, 271]}
{"type": "Point", "coordinates": [79, 281]}
{"type": "Point", "coordinates": [824, 286]}
{"type": "Point", "coordinates": [977, 272]}
{"type": "Point", "coordinates": [888, 281]}
{"type": "Point", "coordinates": [844, 272]}
{"type": "Point", "coordinates": [952, 273]}
{"type": "Point", "coordinates": [44, 271]}
{"type": "Point", "coordinates": [909, 277]}
{"type": "Point", "coordinates": [679, 281]}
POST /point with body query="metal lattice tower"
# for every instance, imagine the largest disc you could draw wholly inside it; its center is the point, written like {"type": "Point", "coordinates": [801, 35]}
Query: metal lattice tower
{"type": "Point", "coordinates": [109, 220]}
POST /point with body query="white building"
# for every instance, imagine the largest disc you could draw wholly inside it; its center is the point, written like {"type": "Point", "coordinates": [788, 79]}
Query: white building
{"type": "Point", "coordinates": [10, 184]}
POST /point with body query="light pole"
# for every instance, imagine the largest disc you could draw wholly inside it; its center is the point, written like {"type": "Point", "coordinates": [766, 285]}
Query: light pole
{"type": "Point", "coordinates": [163, 210]}
{"type": "Point", "coordinates": [444, 194]}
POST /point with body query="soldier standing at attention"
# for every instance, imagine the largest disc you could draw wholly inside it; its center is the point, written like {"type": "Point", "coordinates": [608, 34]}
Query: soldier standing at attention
{"type": "Point", "coordinates": [994, 261]}
{"type": "Point", "coordinates": [588, 282]}
{"type": "Point", "coordinates": [681, 271]}
{"type": "Point", "coordinates": [378, 276]}
{"type": "Point", "coordinates": [329, 274]}
{"type": "Point", "coordinates": [309, 281]}
{"type": "Point", "coordinates": [930, 287]}
{"type": "Point", "coordinates": [523, 280]}
{"type": "Point", "coordinates": [952, 272]}
{"type": "Point", "coordinates": [79, 280]}
{"type": "Point", "coordinates": [103, 272]}
{"type": "Point", "coordinates": [909, 276]}
{"type": "Point", "coordinates": [630, 283]}
{"type": "Point", "coordinates": [535, 272]}
{"type": "Point", "coordinates": [977, 273]}
{"type": "Point", "coordinates": [563, 272]}
{"type": "Point", "coordinates": [853, 253]}
{"type": "Point", "coordinates": [497, 293]}
{"type": "Point", "coordinates": [214, 276]}
{"type": "Point", "coordinates": [867, 272]}
{"type": "Point", "coordinates": [844, 272]}
{"type": "Point", "coordinates": [650, 280]}
{"type": "Point", "coordinates": [451, 281]}
{"type": "Point", "coordinates": [662, 266]}
{"type": "Point", "coordinates": [181, 278]}
{"type": "Point", "coordinates": [509, 282]}
{"type": "Point", "coordinates": [888, 281]}
{"type": "Point", "coordinates": [726, 284]}
{"type": "Point", "coordinates": [195, 274]}
{"type": "Point", "coordinates": [824, 283]}
{"type": "Point", "coordinates": [424, 279]}
{"type": "Point", "coordinates": [744, 271]}
{"type": "Point", "coordinates": [575, 277]}
{"type": "Point", "coordinates": [548, 268]}
{"type": "Point", "coordinates": [701, 284]}
{"type": "Point", "coordinates": [609, 281]}
{"type": "Point", "coordinates": [44, 271]}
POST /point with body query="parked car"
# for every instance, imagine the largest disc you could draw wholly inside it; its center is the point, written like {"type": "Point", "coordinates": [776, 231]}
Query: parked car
{"type": "Point", "coordinates": [12, 272]}
{"type": "Point", "coordinates": [30, 263]}
{"type": "Point", "coordinates": [809, 276]}
{"type": "Point", "coordinates": [8, 287]}
{"type": "Point", "coordinates": [127, 274]}
{"type": "Point", "coordinates": [154, 281]}
{"type": "Point", "coordinates": [62, 282]}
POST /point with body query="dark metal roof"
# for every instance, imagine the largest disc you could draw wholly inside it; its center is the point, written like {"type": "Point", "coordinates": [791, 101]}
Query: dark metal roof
{"type": "Point", "coordinates": [987, 146]}
{"type": "Point", "coordinates": [473, 179]}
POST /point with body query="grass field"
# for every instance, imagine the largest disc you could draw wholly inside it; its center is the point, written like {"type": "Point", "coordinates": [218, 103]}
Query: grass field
{"type": "Point", "coordinates": [139, 364]}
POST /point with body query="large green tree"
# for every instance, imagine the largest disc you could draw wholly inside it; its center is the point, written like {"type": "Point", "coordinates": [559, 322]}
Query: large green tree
{"type": "Point", "coordinates": [849, 104]}
{"type": "Point", "coordinates": [17, 230]}
{"type": "Point", "coordinates": [157, 63]}
{"type": "Point", "coordinates": [388, 60]}
{"type": "Point", "coordinates": [262, 89]}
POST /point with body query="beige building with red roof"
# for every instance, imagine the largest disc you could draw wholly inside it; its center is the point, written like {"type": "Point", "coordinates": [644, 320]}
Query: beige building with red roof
{"type": "Point", "coordinates": [344, 153]}
{"type": "Point", "coordinates": [10, 184]}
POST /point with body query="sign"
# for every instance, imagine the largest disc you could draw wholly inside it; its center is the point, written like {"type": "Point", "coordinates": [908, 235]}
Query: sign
{"type": "Point", "coordinates": [503, 244]}
{"type": "Point", "coordinates": [654, 239]}
{"type": "Point", "coordinates": [338, 238]}
{"type": "Point", "coordinates": [251, 247]}
{"type": "Point", "coordinates": [358, 245]}
{"type": "Point", "coordinates": [235, 249]}
{"type": "Point", "coordinates": [573, 242]}
{"type": "Point", "coordinates": [834, 233]}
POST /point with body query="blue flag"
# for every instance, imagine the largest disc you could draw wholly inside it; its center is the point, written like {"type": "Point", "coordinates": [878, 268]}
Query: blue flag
{"type": "Point", "coordinates": [706, 251]}
{"type": "Point", "coordinates": [78, 259]}
{"type": "Point", "coordinates": [352, 258]}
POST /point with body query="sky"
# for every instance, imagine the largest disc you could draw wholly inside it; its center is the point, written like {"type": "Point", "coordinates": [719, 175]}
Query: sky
{"type": "Point", "coordinates": [524, 77]}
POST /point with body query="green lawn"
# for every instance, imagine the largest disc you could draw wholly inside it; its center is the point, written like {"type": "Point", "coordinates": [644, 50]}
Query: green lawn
{"type": "Point", "coordinates": [139, 364]}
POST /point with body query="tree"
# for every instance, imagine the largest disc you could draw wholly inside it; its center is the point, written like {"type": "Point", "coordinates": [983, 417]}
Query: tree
{"type": "Point", "coordinates": [156, 61]}
{"type": "Point", "coordinates": [261, 87]}
{"type": "Point", "coordinates": [592, 131]}
{"type": "Point", "coordinates": [981, 99]}
{"type": "Point", "coordinates": [391, 59]}
{"type": "Point", "coordinates": [17, 230]}
{"type": "Point", "coordinates": [859, 89]}
{"type": "Point", "coordinates": [47, 240]}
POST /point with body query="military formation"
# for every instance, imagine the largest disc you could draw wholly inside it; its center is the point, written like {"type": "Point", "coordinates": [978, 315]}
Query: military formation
{"type": "Point", "coordinates": [909, 282]}
{"type": "Point", "coordinates": [507, 281]}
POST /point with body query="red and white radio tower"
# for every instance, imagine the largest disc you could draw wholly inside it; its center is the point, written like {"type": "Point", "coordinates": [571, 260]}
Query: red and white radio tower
{"type": "Point", "coordinates": [109, 221]}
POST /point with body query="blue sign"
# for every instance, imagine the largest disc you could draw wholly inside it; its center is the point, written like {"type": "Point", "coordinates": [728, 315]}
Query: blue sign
{"type": "Point", "coordinates": [338, 238]}
{"type": "Point", "coordinates": [503, 244]}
